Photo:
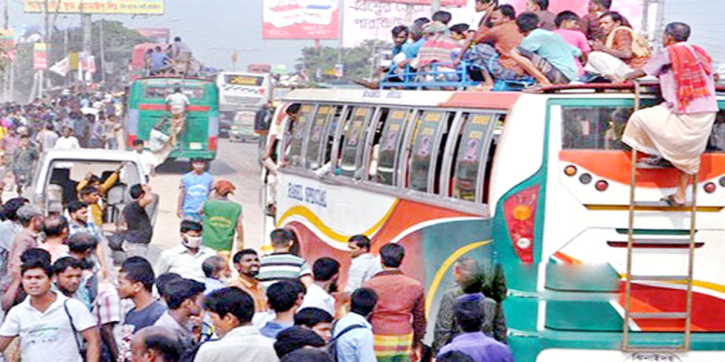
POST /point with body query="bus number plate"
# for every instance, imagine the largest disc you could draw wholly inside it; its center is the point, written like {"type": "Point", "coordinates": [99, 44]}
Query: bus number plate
{"type": "Point", "coordinates": [654, 357]}
{"type": "Point", "coordinates": [195, 146]}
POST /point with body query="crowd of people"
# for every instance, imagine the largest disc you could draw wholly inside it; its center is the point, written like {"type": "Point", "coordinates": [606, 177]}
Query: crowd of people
{"type": "Point", "coordinates": [535, 47]}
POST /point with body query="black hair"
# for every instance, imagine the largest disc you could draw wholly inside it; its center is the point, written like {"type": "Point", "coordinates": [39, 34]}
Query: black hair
{"type": "Point", "coordinates": [35, 254]}
{"type": "Point", "coordinates": [163, 280]}
{"type": "Point", "coordinates": [76, 205]}
{"type": "Point", "coordinates": [281, 237]}
{"type": "Point", "coordinates": [361, 241]}
{"type": "Point", "coordinates": [312, 316]}
{"type": "Point", "coordinates": [565, 16]}
{"type": "Point", "coordinates": [399, 29]}
{"type": "Point", "coordinates": [240, 254]}
{"type": "Point", "coordinates": [37, 264]}
{"type": "Point", "coordinates": [66, 262]}
{"type": "Point", "coordinates": [507, 11]}
{"type": "Point", "coordinates": [139, 270]}
{"type": "Point", "coordinates": [363, 301]}
{"type": "Point", "coordinates": [10, 209]}
{"type": "Point", "coordinates": [81, 242]}
{"type": "Point", "coordinates": [178, 38]}
{"type": "Point", "coordinates": [177, 291]}
{"type": "Point", "coordinates": [87, 191]}
{"type": "Point", "coordinates": [459, 28]}
{"type": "Point", "coordinates": [454, 356]}
{"type": "Point", "coordinates": [293, 108]}
{"type": "Point", "coordinates": [392, 255]}
{"type": "Point", "coordinates": [617, 17]}
{"type": "Point", "coordinates": [678, 31]}
{"type": "Point", "coordinates": [54, 225]}
{"type": "Point", "coordinates": [325, 268]}
{"type": "Point", "coordinates": [282, 296]}
{"type": "Point", "coordinates": [169, 348]}
{"type": "Point", "coordinates": [232, 301]}
{"type": "Point", "coordinates": [469, 314]}
{"type": "Point", "coordinates": [296, 338]}
{"type": "Point", "coordinates": [604, 3]}
{"type": "Point", "coordinates": [212, 265]}
{"type": "Point", "coordinates": [542, 4]}
{"type": "Point", "coordinates": [189, 225]}
{"type": "Point", "coordinates": [137, 142]}
{"type": "Point", "coordinates": [527, 22]}
{"type": "Point", "coordinates": [442, 16]}
{"type": "Point", "coordinates": [136, 191]}
{"type": "Point", "coordinates": [307, 355]}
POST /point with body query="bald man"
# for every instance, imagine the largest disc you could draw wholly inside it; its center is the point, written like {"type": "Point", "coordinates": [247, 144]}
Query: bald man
{"type": "Point", "coordinates": [155, 344]}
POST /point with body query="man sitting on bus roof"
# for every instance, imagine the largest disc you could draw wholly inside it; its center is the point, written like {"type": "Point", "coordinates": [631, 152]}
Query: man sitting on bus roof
{"type": "Point", "coordinates": [678, 129]}
{"type": "Point", "coordinates": [544, 55]}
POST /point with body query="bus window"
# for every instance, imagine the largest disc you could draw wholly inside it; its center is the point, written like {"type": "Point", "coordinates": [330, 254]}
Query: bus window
{"type": "Point", "coordinates": [393, 130]}
{"type": "Point", "coordinates": [329, 136]}
{"type": "Point", "coordinates": [297, 130]}
{"type": "Point", "coordinates": [316, 136]}
{"type": "Point", "coordinates": [716, 143]}
{"type": "Point", "coordinates": [595, 127]}
{"type": "Point", "coordinates": [471, 150]}
{"type": "Point", "coordinates": [423, 149]}
{"type": "Point", "coordinates": [353, 142]}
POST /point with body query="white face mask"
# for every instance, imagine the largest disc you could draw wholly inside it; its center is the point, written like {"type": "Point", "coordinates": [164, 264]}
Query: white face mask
{"type": "Point", "coordinates": [192, 241]}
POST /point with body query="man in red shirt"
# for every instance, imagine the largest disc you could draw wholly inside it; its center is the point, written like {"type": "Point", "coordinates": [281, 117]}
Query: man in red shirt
{"type": "Point", "coordinates": [399, 316]}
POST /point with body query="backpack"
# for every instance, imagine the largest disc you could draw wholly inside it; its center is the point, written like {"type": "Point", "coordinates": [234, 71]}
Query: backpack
{"type": "Point", "coordinates": [332, 345]}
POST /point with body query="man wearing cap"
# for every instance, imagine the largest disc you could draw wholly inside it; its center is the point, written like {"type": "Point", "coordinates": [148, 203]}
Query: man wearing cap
{"type": "Point", "coordinates": [222, 217]}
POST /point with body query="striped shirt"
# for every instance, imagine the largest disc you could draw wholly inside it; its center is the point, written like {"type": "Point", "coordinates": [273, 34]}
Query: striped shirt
{"type": "Point", "coordinates": [282, 266]}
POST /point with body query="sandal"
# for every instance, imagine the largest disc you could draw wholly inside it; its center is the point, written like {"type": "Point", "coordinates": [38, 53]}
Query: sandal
{"type": "Point", "coordinates": [670, 201]}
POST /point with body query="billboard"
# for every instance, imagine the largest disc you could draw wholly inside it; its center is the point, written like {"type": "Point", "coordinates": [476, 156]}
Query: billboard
{"type": "Point", "coordinates": [300, 19]}
{"type": "Point", "coordinates": [146, 7]}
{"type": "Point", "coordinates": [374, 19]}
{"type": "Point", "coordinates": [426, 2]}
{"type": "Point", "coordinates": [40, 56]}
{"type": "Point", "coordinates": [159, 35]}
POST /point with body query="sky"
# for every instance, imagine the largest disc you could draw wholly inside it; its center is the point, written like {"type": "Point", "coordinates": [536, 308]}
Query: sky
{"type": "Point", "coordinates": [216, 28]}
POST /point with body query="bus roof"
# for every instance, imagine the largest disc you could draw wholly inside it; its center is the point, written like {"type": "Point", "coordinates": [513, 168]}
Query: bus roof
{"type": "Point", "coordinates": [166, 80]}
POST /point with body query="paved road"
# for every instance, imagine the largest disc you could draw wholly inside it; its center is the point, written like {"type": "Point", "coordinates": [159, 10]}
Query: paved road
{"type": "Point", "coordinates": [236, 162]}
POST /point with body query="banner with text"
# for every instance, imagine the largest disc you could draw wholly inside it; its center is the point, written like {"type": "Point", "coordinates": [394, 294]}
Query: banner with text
{"type": "Point", "coordinates": [40, 56]}
{"type": "Point", "coordinates": [146, 7]}
{"type": "Point", "coordinates": [300, 19]}
{"type": "Point", "coordinates": [159, 35]}
{"type": "Point", "coordinates": [7, 43]}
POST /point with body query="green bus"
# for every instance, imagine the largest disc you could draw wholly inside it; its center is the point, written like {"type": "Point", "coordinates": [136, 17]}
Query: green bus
{"type": "Point", "coordinates": [147, 107]}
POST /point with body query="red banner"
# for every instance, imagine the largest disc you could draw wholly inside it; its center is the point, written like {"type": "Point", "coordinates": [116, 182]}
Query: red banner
{"type": "Point", "coordinates": [297, 19]}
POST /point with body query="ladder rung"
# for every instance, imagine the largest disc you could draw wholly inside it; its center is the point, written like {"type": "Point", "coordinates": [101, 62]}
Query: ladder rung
{"type": "Point", "coordinates": [662, 278]}
{"type": "Point", "coordinates": [655, 349]}
{"type": "Point", "coordinates": [662, 243]}
{"type": "Point", "coordinates": [658, 315]}
{"type": "Point", "coordinates": [661, 205]}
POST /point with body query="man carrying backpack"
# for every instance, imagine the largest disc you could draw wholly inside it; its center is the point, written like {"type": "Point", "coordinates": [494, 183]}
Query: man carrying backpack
{"type": "Point", "coordinates": [352, 336]}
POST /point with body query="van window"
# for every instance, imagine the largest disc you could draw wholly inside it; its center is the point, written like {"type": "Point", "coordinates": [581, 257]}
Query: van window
{"type": "Point", "coordinates": [388, 146]}
{"type": "Point", "coordinates": [594, 127]}
{"type": "Point", "coordinates": [317, 136]}
{"type": "Point", "coordinates": [471, 150]}
{"type": "Point", "coordinates": [297, 130]}
{"type": "Point", "coordinates": [353, 141]}
{"type": "Point", "coordinates": [422, 150]}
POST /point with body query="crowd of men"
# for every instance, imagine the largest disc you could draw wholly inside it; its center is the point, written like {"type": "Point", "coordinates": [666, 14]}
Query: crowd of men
{"type": "Point", "coordinates": [534, 47]}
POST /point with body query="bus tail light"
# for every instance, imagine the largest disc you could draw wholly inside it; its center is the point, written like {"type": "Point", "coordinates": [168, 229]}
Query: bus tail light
{"type": "Point", "coordinates": [520, 214]}
{"type": "Point", "coordinates": [710, 187]}
{"type": "Point", "coordinates": [601, 185]}
{"type": "Point", "coordinates": [212, 143]}
{"type": "Point", "coordinates": [570, 170]}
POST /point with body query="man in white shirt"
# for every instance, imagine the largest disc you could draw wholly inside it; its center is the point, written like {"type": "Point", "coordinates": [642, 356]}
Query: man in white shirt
{"type": "Point", "coordinates": [148, 160]}
{"type": "Point", "coordinates": [187, 258]}
{"type": "Point", "coordinates": [364, 264]}
{"type": "Point", "coordinates": [177, 103]}
{"type": "Point", "coordinates": [231, 311]}
{"type": "Point", "coordinates": [68, 141]}
{"type": "Point", "coordinates": [326, 272]}
{"type": "Point", "coordinates": [47, 322]}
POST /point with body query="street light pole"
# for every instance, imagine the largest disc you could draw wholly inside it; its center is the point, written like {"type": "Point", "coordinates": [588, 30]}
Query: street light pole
{"type": "Point", "coordinates": [435, 6]}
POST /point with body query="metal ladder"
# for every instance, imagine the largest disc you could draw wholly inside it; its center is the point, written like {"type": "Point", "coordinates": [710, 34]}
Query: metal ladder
{"type": "Point", "coordinates": [632, 242]}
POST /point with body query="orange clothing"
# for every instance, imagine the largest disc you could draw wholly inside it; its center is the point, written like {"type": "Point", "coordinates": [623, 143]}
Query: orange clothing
{"type": "Point", "coordinates": [256, 291]}
{"type": "Point", "coordinates": [623, 41]}
{"type": "Point", "coordinates": [504, 38]}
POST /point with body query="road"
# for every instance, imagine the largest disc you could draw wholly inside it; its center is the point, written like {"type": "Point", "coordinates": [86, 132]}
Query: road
{"type": "Point", "coordinates": [236, 162]}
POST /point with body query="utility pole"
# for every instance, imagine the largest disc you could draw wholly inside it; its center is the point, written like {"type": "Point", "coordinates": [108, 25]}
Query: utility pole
{"type": "Point", "coordinates": [653, 33]}
{"type": "Point", "coordinates": [436, 5]}
{"type": "Point", "coordinates": [340, 10]}
{"type": "Point", "coordinates": [103, 54]}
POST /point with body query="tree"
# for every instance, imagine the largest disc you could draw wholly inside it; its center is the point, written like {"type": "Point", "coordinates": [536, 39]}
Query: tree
{"type": "Point", "coordinates": [357, 61]}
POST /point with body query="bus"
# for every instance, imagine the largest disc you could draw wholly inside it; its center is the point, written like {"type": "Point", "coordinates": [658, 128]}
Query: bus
{"type": "Point", "coordinates": [535, 184]}
{"type": "Point", "coordinates": [147, 107]}
{"type": "Point", "coordinates": [243, 91]}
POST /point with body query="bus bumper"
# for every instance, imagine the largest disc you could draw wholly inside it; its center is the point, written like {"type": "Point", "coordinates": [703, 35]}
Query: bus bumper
{"type": "Point", "coordinates": [550, 346]}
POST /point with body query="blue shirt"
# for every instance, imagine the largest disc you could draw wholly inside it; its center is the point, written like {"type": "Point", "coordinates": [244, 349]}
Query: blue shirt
{"type": "Point", "coordinates": [158, 60]}
{"type": "Point", "coordinates": [211, 284]}
{"type": "Point", "coordinates": [272, 329]}
{"type": "Point", "coordinates": [411, 49]}
{"type": "Point", "coordinates": [555, 49]}
{"type": "Point", "coordinates": [357, 344]}
{"type": "Point", "coordinates": [196, 191]}
{"type": "Point", "coordinates": [479, 347]}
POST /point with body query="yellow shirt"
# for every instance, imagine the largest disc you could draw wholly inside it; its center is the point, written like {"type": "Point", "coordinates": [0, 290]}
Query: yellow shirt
{"type": "Point", "coordinates": [96, 214]}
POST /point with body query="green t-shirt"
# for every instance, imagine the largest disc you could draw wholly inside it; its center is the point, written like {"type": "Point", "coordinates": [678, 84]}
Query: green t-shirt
{"type": "Point", "coordinates": [220, 221]}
